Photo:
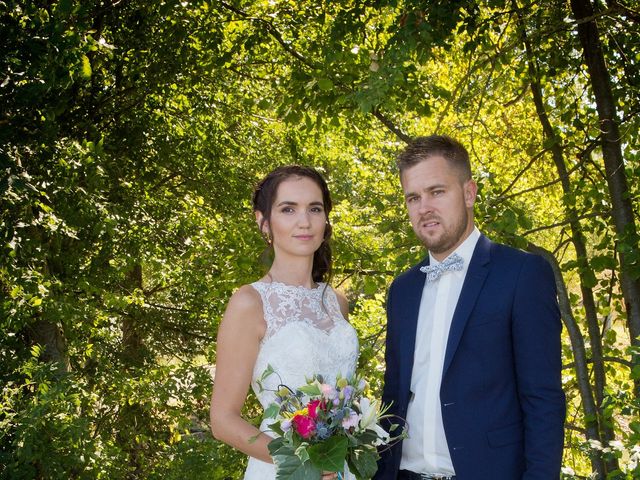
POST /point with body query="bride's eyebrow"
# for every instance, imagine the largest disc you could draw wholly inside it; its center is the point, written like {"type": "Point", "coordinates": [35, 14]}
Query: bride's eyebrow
{"type": "Point", "coordinates": [291, 203]}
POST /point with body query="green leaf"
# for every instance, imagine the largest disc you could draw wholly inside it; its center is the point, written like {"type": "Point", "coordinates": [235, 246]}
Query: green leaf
{"type": "Point", "coordinates": [275, 427]}
{"type": "Point", "coordinates": [267, 371]}
{"type": "Point", "coordinates": [65, 6]}
{"type": "Point", "coordinates": [86, 67]}
{"type": "Point", "coordinates": [368, 437]}
{"type": "Point", "coordinates": [363, 462]}
{"type": "Point", "coordinates": [35, 301]}
{"type": "Point", "coordinates": [278, 445]}
{"type": "Point", "coordinates": [330, 454]}
{"type": "Point", "coordinates": [589, 278]}
{"type": "Point", "coordinates": [36, 350]}
{"type": "Point", "coordinates": [272, 411]}
{"type": "Point", "coordinates": [310, 390]}
{"type": "Point", "coordinates": [325, 84]}
{"type": "Point", "coordinates": [289, 466]}
{"type": "Point", "coordinates": [370, 286]}
{"type": "Point", "coordinates": [302, 453]}
{"type": "Point", "coordinates": [603, 262]}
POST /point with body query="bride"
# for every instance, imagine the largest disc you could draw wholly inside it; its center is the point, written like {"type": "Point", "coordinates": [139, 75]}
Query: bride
{"type": "Point", "coordinates": [290, 319]}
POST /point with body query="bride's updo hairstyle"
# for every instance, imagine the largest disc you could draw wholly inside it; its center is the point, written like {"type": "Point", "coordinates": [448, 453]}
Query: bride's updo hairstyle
{"type": "Point", "coordinates": [265, 194]}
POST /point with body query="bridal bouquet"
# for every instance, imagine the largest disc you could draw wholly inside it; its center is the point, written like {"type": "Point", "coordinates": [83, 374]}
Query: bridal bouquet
{"type": "Point", "coordinates": [322, 427]}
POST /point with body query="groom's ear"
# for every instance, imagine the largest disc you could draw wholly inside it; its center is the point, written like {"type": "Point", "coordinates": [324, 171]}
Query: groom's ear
{"type": "Point", "coordinates": [470, 192]}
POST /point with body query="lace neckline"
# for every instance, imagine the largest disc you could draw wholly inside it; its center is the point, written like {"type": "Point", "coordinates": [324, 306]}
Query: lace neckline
{"type": "Point", "coordinates": [302, 288]}
{"type": "Point", "coordinates": [287, 304]}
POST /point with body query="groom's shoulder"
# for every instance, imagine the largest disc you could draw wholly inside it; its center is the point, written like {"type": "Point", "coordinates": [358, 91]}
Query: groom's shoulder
{"type": "Point", "coordinates": [501, 252]}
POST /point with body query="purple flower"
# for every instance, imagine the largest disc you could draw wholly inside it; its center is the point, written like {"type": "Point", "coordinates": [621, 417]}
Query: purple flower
{"type": "Point", "coordinates": [347, 392]}
{"type": "Point", "coordinates": [285, 425]}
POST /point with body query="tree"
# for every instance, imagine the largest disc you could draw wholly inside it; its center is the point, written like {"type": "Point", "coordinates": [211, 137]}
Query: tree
{"type": "Point", "coordinates": [132, 135]}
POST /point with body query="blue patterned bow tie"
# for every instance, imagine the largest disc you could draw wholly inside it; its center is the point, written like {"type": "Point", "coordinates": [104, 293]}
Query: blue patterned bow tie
{"type": "Point", "coordinates": [452, 263]}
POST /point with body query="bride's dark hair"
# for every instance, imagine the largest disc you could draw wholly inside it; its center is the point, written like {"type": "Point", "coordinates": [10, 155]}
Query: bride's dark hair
{"type": "Point", "coordinates": [265, 194]}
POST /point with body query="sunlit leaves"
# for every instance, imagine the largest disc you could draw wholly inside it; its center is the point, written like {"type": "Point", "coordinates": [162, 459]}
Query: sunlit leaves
{"type": "Point", "coordinates": [133, 135]}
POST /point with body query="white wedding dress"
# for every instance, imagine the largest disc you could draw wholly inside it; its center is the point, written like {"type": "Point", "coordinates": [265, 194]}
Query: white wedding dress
{"type": "Point", "coordinates": [306, 335]}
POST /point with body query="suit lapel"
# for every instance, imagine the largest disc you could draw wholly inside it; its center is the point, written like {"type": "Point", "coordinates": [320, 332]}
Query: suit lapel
{"type": "Point", "coordinates": [473, 283]}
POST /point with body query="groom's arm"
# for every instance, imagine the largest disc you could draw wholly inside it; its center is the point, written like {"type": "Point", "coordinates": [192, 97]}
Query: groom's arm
{"type": "Point", "coordinates": [386, 464]}
{"type": "Point", "coordinates": [391, 373]}
{"type": "Point", "coordinates": [537, 350]}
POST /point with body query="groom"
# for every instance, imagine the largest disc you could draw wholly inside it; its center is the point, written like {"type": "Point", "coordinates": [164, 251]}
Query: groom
{"type": "Point", "coordinates": [473, 339]}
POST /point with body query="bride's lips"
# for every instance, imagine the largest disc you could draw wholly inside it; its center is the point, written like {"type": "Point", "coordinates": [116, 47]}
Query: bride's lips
{"type": "Point", "coordinates": [303, 237]}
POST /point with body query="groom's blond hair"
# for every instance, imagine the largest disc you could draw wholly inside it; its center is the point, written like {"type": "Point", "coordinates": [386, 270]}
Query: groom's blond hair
{"type": "Point", "coordinates": [423, 148]}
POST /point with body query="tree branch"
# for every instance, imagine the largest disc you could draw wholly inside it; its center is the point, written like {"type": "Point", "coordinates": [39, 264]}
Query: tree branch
{"type": "Point", "coordinates": [273, 31]}
{"type": "Point", "coordinates": [391, 126]}
{"type": "Point", "coordinates": [560, 224]}
{"type": "Point", "coordinates": [621, 361]}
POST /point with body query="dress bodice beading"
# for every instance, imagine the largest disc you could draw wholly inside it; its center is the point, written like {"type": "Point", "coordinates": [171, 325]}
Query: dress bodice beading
{"type": "Point", "coordinates": [306, 335]}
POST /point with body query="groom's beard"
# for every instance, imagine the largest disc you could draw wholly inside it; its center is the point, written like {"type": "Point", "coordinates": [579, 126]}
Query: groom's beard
{"type": "Point", "coordinates": [449, 233]}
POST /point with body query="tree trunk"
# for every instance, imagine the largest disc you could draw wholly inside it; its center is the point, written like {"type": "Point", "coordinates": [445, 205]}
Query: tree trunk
{"type": "Point", "coordinates": [623, 218]}
{"type": "Point", "coordinates": [579, 355]}
{"type": "Point", "coordinates": [132, 344]}
{"type": "Point", "coordinates": [604, 427]}
{"type": "Point", "coordinates": [51, 338]}
{"type": "Point", "coordinates": [48, 334]}
{"type": "Point", "coordinates": [133, 417]}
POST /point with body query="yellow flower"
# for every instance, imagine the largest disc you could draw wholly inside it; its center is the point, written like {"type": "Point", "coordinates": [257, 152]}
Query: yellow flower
{"type": "Point", "coordinates": [304, 412]}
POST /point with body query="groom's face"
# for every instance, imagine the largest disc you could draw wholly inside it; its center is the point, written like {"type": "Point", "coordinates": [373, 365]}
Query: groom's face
{"type": "Point", "coordinates": [440, 204]}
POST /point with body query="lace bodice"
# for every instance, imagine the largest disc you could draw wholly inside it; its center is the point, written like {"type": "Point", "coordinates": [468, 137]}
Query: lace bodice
{"type": "Point", "coordinates": [306, 335]}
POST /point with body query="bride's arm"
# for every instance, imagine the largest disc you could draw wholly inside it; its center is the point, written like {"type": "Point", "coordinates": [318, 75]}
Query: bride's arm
{"type": "Point", "coordinates": [344, 304]}
{"type": "Point", "coordinates": [239, 336]}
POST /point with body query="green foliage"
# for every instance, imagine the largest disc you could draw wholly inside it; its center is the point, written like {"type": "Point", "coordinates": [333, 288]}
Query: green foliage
{"type": "Point", "coordinates": [197, 457]}
{"type": "Point", "coordinates": [131, 135]}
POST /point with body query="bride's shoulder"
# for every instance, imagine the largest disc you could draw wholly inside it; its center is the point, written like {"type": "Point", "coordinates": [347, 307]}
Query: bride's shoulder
{"type": "Point", "coordinates": [244, 311]}
{"type": "Point", "coordinates": [246, 300]}
{"type": "Point", "coordinates": [343, 303]}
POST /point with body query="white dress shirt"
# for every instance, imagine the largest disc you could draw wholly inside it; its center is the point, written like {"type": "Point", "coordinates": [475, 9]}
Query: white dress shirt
{"type": "Point", "coordinates": [426, 450]}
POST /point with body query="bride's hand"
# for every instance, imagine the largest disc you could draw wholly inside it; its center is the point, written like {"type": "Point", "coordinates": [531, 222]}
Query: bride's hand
{"type": "Point", "coordinates": [329, 475]}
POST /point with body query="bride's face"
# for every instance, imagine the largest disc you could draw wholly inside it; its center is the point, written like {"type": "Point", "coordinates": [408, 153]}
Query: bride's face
{"type": "Point", "coordinates": [298, 218]}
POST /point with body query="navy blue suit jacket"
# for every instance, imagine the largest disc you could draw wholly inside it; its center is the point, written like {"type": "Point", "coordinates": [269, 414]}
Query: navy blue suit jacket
{"type": "Point", "coordinates": [501, 395]}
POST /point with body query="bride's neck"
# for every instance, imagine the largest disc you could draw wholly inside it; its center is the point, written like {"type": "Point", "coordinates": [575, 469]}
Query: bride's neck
{"type": "Point", "coordinates": [293, 273]}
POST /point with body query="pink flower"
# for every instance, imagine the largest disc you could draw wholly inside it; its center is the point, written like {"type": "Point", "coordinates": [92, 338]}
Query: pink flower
{"type": "Point", "coordinates": [328, 392]}
{"type": "Point", "coordinates": [305, 426]}
{"type": "Point", "coordinates": [350, 421]}
{"type": "Point", "coordinates": [313, 409]}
